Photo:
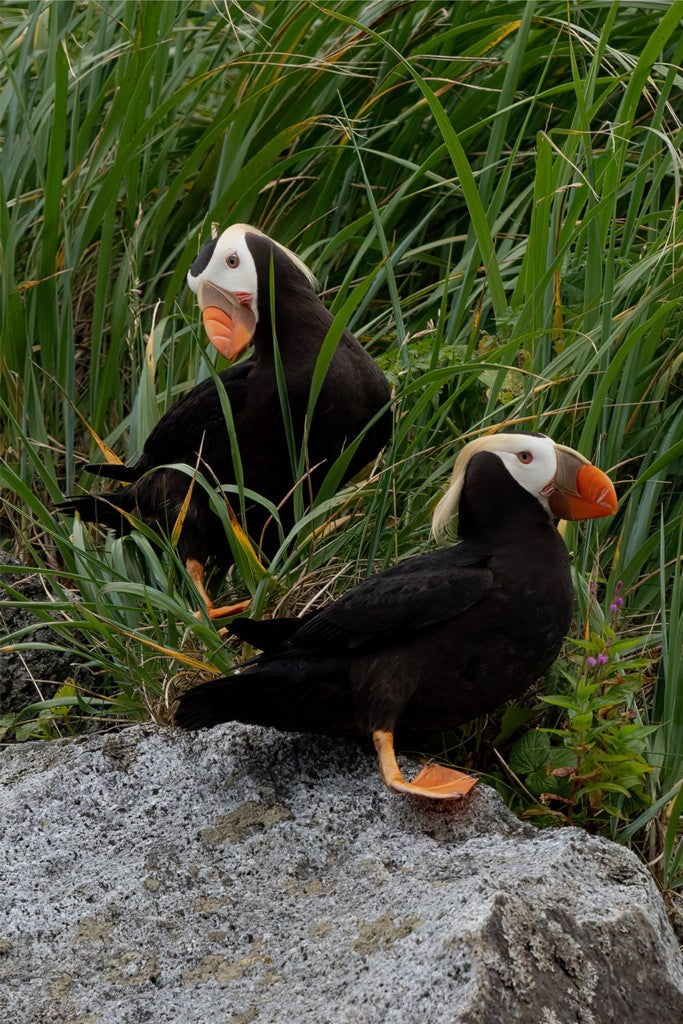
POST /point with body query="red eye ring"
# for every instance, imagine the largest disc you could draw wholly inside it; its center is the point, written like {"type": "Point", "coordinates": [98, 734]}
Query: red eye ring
{"type": "Point", "coordinates": [525, 457]}
{"type": "Point", "coordinates": [233, 260]}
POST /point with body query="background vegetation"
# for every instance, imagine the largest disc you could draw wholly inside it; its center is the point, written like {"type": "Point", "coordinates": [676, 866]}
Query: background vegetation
{"type": "Point", "coordinates": [489, 194]}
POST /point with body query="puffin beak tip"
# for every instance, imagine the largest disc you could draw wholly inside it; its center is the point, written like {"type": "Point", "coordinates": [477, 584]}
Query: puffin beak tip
{"type": "Point", "coordinates": [593, 496]}
{"type": "Point", "coordinates": [596, 488]}
{"type": "Point", "coordinates": [607, 499]}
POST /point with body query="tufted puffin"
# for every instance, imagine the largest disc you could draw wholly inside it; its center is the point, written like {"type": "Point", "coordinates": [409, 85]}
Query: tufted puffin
{"type": "Point", "coordinates": [437, 639]}
{"type": "Point", "coordinates": [232, 278]}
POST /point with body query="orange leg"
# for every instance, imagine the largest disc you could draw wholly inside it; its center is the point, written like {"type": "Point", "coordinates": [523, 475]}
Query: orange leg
{"type": "Point", "coordinates": [195, 571]}
{"type": "Point", "coordinates": [433, 781]}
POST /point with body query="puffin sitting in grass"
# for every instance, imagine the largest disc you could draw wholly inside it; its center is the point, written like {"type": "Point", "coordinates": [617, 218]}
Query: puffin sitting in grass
{"type": "Point", "coordinates": [438, 639]}
{"type": "Point", "coordinates": [232, 277]}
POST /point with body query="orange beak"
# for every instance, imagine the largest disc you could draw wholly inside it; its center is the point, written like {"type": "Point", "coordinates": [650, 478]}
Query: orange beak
{"type": "Point", "coordinates": [229, 323]}
{"type": "Point", "coordinates": [579, 490]}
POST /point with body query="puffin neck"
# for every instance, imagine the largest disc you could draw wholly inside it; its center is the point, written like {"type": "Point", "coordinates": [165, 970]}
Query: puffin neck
{"type": "Point", "coordinates": [299, 336]}
{"type": "Point", "coordinates": [494, 504]}
{"type": "Point", "coordinates": [301, 320]}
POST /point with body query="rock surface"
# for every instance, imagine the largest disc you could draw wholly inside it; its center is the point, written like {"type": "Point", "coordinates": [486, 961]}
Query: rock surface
{"type": "Point", "coordinates": [241, 876]}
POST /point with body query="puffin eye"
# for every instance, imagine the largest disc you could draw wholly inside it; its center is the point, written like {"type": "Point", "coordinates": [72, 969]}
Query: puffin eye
{"type": "Point", "coordinates": [232, 260]}
{"type": "Point", "coordinates": [525, 457]}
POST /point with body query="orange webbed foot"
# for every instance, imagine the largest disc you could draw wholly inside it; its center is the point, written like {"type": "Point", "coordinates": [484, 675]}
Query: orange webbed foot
{"type": "Point", "coordinates": [195, 571]}
{"type": "Point", "coordinates": [433, 781]}
{"type": "Point", "coordinates": [225, 610]}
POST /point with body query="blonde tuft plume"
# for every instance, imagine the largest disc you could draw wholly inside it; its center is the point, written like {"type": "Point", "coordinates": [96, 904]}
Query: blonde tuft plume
{"type": "Point", "coordinates": [442, 520]}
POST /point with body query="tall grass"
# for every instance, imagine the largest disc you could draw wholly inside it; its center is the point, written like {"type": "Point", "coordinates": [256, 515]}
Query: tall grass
{"type": "Point", "coordinates": [488, 192]}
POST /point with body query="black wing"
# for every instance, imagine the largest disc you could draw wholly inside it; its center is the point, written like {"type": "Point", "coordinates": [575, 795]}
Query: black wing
{"type": "Point", "coordinates": [178, 434]}
{"type": "Point", "coordinates": [198, 412]}
{"type": "Point", "coordinates": [410, 596]}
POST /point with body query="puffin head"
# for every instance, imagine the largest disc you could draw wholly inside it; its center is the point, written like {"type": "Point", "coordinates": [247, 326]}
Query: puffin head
{"type": "Point", "coordinates": [565, 484]}
{"type": "Point", "coordinates": [231, 279]}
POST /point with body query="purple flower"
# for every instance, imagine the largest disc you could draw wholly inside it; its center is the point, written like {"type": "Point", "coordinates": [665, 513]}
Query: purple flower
{"type": "Point", "coordinates": [618, 587]}
{"type": "Point", "coordinates": [591, 588]}
{"type": "Point", "coordinates": [602, 659]}
{"type": "Point", "coordinates": [614, 608]}
{"type": "Point", "coordinates": [591, 662]}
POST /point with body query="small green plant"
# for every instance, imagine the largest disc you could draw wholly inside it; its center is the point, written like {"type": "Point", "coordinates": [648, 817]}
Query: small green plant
{"type": "Point", "coordinates": [592, 766]}
{"type": "Point", "coordinates": [61, 715]}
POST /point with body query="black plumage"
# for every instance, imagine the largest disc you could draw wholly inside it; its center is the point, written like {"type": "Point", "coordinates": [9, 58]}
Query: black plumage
{"type": "Point", "coordinates": [354, 397]}
{"type": "Point", "coordinates": [430, 643]}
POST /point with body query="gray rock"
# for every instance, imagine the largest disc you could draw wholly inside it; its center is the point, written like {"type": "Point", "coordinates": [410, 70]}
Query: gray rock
{"type": "Point", "coordinates": [241, 875]}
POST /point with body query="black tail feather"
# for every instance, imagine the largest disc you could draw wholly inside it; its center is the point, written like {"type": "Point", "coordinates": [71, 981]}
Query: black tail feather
{"type": "Point", "coordinates": [205, 705]}
{"type": "Point", "coordinates": [282, 693]}
{"type": "Point", "coordinates": [97, 508]}
{"type": "Point", "coordinates": [113, 471]}
{"type": "Point", "coordinates": [267, 635]}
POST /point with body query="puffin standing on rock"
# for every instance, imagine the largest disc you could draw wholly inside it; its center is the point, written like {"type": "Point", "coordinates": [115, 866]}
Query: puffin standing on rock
{"type": "Point", "coordinates": [438, 639]}
{"type": "Point", "coordinates": [232, 277]}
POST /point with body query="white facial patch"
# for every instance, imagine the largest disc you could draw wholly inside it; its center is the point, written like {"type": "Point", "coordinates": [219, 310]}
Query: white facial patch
{"type": "Point", "coordinates": [533, 464]}
{"type": "Point", "coordinates": [232, 267]}
{"type": "Point", "coordinates": [533, 473]}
